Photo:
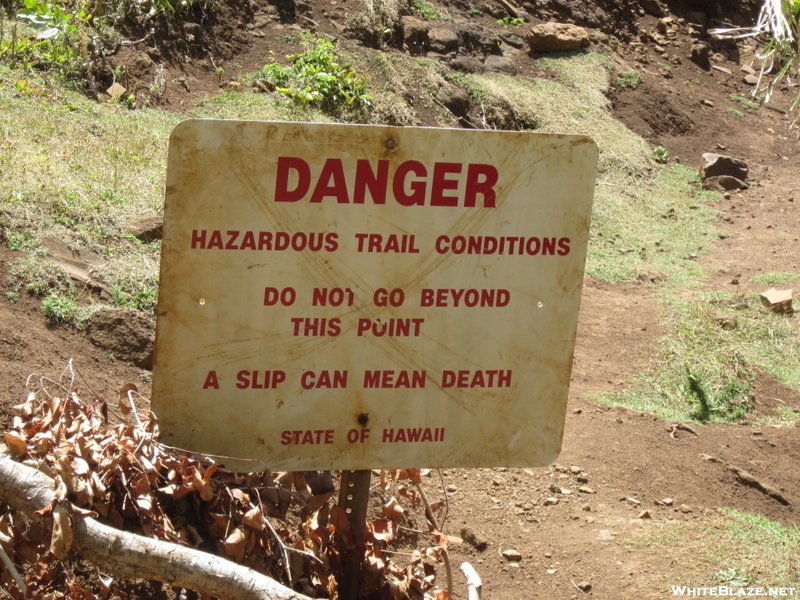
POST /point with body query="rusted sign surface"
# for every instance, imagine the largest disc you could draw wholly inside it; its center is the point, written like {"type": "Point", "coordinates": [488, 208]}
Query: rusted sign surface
{"type": "Point", "coordinates": [339, 296]}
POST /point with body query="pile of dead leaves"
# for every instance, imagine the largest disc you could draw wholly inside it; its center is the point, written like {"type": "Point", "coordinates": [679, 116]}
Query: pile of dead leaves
{"type": "Point", "coordinates": [107, 463]}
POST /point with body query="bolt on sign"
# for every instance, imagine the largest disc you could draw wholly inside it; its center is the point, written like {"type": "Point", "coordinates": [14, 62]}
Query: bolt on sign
{"type": "Point", "coordinates": [357, 297]}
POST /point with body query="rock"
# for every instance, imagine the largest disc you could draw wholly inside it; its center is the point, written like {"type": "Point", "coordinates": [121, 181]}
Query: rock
{"type": "Point", "coordinates": [557, 37]}
{"type": "Point", "coordinates": [726, 321]}
{"type": "Point", "coordinates": [455, 98]}
{"type": "Point", "coordinates": [748, 69]}
{"type": "Point", "coordinates": [645, 514]}
{"type": "Point", "coordinates": [264, 85]}
{"type": "Point", "coordinates": [575, 470]}
{"type": "Point", "coordinates": [586, 508]}
{"type": "Point", "coordinates": [500, 64]}
{"type": "Point", "coordinates": [584, 586]}
{"type": "Point", "coordinates": [415, 35]}
{"type": "Point", "coordinates": [684, 509]}
{"type": "Point", "coordinates": [585, 490]}
{"type": "Point", "coordinates": [512, 39]}
{"type": "Point", "coordinates": [512, 555]}
{"type": "Point", "coordinates": [451, 489]}
{"type": "Point", "coordinates": [653, 7]}
{"type": "Point", "coordinates": [633, 501]}
{"type": "Point", "coordinates": [750, 79]}
{"type": "Point", "coordinates": [707, 103]}
{"type": "Point", "coordinates": [722, 69]}
{"type": "Point", "coordinates": [443, 38]}
{"type": "Point", "coordinates": [777, 301]}
{"type": "Point", "coordinates": [78, 264]}
{"type": "Point", "coordinates": [718, 164]}
{"type": "Point", "coordinates": [146, 229]}
{"type": "Point", "coordinates": [654, 277]}
{"type": "Point", "coordinates": [667, 501]}
{"type": "Point", "coordinates": [468, 64]}
{"type": "Point", "coordinates": [124, 332]}
{"type": "Point", "coordinates": [550, 501]}
{"type": "Point", "coordinates": [724, 183]}
{"type": "Point", "coordinates": [479, 39]}
{"type": "Point", "coordinates": [474, 538]}
{"type": "Point", "coordinates": [233, 86]}
{"type": "Point", "coordinates": [700, 54]}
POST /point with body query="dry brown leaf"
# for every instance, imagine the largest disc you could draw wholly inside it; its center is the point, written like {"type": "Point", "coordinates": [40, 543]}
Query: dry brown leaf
{"type": "Point", "coordinates": [383, 529]}
{"type": "Point", "coordinates": [392, 510]}
{"type": "Point", "coordinates": [254, 518]}
{"type": "Point", "coordinates": [125, 404]}
{"type": "Point", "coordinates": [62, 532]}
{"type": "Point", "coordinates": [236, 544]}
{"type": "Point", "coordinates": [17, 446]}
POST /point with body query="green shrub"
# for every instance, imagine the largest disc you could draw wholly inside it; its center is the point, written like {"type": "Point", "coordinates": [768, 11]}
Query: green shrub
{"type": "Point", "coordinates": [317, 77]}
{"type": "Point", "coordinates": [629, 79]}
{"type": "Point", "coordinates": [661, 155]}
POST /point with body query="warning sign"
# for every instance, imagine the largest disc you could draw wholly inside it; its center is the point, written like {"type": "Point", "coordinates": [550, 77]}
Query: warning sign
{"type": "Point", "coordinates": [356, 297]}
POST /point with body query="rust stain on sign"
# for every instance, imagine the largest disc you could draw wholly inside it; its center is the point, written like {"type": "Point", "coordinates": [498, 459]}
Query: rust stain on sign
{"type": "Point", "coordinates": [339, 296]}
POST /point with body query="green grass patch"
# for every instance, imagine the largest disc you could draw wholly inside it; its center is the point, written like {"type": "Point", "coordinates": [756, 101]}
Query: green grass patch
{"type": "Point", "coordinates": [745, 101]}
{"type": "Point", "coordinates": [736, 113]}
{"type": "Point", "coordinates": [702, 368]}
{"type": "Point", "coordinates": [733, 548]}
{"type": "Point", "coordinates": [775, 278]}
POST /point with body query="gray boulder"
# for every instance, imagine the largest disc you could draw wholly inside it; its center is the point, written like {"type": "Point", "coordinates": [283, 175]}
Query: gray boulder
{"type": "Point", "coordinates": [718, 164]}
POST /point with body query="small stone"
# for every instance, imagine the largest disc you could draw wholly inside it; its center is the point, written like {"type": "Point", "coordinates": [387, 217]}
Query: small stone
{"type": "Point", "coordinates": [552, 571]}
{"type": "Point", "coordinates": [473, 538]}
{"type": "Point", "coordinates": [684, 509]}
{"type": "Point", "coordinates": [512, 555]}
{"type": "Point", "coordinates": [233, 86]}
{"type": "Point", "coordinates": [590, 520]}
{"type": "Point", "coordinates": [747, 69]}
{"type": "Point", "coordinates": [584, 489]}
{"type": "Point", "coordinates": [633, 501]}
{"type": "Point", "coordinates": [575, 470]}
{"type": "Point", "coordinates": [722, 69]}
{"type": "Point", "coordinates": [548, 555]}
{"type": "Point", "coordinates": [497, 482]}
{"type": "Point", "coordinates": [584, 586]}
{"type": "Point", "coordinates": [586, 507]}
{"type": "Point", "coordinates": [667, 501]}
{"type": "Point", "coordinates": [750, 79]}
{"type": "Point", "coordinates": [451, 489]}
{"type": "Point", "coordinates": [707, 103]}
{"type": "Point", "coordinates": [550, 501]}
{"type": "Point", "coordinates": [645, 514]}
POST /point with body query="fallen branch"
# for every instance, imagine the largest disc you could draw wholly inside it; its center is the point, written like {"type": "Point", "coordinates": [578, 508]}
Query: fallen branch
{"type": "Point", "coordinates": [474, 583]}
{"type": "Point", "coordinates": [127, 555]}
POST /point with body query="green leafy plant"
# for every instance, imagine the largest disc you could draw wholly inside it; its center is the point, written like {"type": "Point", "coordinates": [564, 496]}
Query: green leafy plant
{"type": "Point", "coordinates": [318, 77]}
{"type": "Point", "coordinates": [426, 10]}
{"type": "Point", "coordinates": [748, 103]}
{"type": "Point", "coordinates": [661, 155]}
{"type": "Point", "coordinates": [734, 577]}
{"type": "Point", "coordinates": [629, 79]}
{"type": "Point", "coordinates": [516, 22]}
{"type": "Point", "coordinates": [730, 404]}
{"type": "Point", "coordinates": [59, 307]}
{"type": "Point", "coordinates": [12, 297]}
{"type": "Point", "coordinates": [736, 113]}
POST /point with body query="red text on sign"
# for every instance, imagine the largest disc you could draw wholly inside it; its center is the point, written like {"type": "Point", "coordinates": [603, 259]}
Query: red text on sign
{"type": "Point", "coordinates": [412, 183]}
{"type": "Point", "coordinates": [441, 297]}
{"type": "Point", "coordinates": [316, 327]}
{"type": "Point", "coordinates": [390, 327]}
{"type": "Point", "coordinates": [263, 240]}
{"type": "Point", "coordinates": [307, 436]}
{"type": "Point", "coordinates": [418, 434]}
{"type": "Point", "coordinates": [374, 242]}
{"type": "Point", "coordinates": [254, 381]}
{"type": "Point", "coordinates": [394, 379]}
{"type": "Point", "coordinates": [487, 244]}
{"type": "Point", "coordinates": [325, 379]}
{"type": "Point", "coordinates": [476, 379]}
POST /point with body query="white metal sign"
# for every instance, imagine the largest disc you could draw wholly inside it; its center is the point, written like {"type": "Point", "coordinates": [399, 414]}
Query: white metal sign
{"type": "Point", "coordinates": [355, 297]}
